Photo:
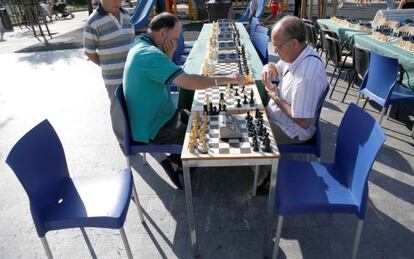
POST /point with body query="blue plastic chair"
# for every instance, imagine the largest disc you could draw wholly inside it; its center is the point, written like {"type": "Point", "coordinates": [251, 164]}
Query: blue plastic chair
{"type": "Point", "coordinates": [132, 147]}
{"type": "Point", "coordinates": [341, 187]}
{"type": "Point", "coordinates": [380, 83]}
{"type": "Point", "coordinates": [181, 52]}
{"type": "Point", "coordinates": [260, 8]}
{"type": "Point", "coordinates": [260, 42]}
{"type": "Point", "coordinates": [246, 15]}
{"type": "Point", "coordinates": [262, 30]}
{"type": "Point", "coordinates": [58, 201]}
{"type": "Point", "coordinates": [253, 24]}
{"type": "Point", "coordinates": [313, 145]}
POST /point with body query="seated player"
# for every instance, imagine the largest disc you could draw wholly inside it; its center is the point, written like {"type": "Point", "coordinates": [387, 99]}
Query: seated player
{"type": "Point", "coordinates": [148, 72]}
{"type": "Point", "coordinates": [303, 80]}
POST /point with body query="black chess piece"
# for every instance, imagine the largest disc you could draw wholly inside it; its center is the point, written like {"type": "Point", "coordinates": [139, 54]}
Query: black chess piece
{"type": "Point", "coordinates": [255, 146]}
{"type": "Point", "coordinates": [248, 116]}
{"type": "Point", "coordinates": [205, 109]}
{"type": "Point", "coordinates": [257, 111]}
{"type": "Point", "coordinates": [251, 98]}
{"type": "Point", "coordinates": [224, 108]}
{"type": "Point", "coordinates": [238, 103]}
{"type": "Point", "coordinates": [215, 110]}
{"type": "Point", "coordinates": [221, 96]}
{"type": "Point", "coordinates": [266, 144]}
{"type": "Point", "coordinates": [245, 99]}
{"type": "Point", "coordinates": [210, 110]}
{"type": "Point", "coordinates": [243, 89]}
{"type": "Point", "coordinates": [237, 92]}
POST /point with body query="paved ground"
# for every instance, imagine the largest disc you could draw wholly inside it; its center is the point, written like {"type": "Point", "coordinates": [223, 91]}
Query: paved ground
{"type": "Point", "coordinates": [65, 88]}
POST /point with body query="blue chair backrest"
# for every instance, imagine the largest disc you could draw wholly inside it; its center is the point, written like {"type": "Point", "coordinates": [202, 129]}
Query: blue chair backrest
{"type": "Point", "coordinates": [253, 24]}
{"type": "Point", "coordinates": [260, 8]}
{"type": "Point", "coordinates": [381, 76]}
{"type": "Point", "coordinates": [180, 48]}
{"type": "Point", "coordinates": [39, 162]}
{"type": "Point", "coordinates": [262, 30]}
{"type": "Point", "coordinates": [119, 94]}
{"type": "Point", "coordinates": [260, 42]}
{"type": "Point", "coordinates": [246, 16]}
{"type": "Point", "coordinates": [359, 139]}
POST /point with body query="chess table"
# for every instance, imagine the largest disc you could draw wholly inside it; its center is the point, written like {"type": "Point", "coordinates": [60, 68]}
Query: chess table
{"type": "Point", "coordinates": [231, 152]}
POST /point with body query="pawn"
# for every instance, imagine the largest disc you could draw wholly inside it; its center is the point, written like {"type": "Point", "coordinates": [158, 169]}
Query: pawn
{"type": "Point", "coordinates": [238, 103]}
{"type": "Point", "coordinates": [255, 146]}
{"type": "Point", "coordinates": [243, 89]}
{"type": "Point", "coordinates": [237, 92]}
{"type": "Point", "coordinates": [245, 99]}
{"type": "Point", "coordinates": [251, 97]}
{"type": "Point", "coordinates": [215, 112]}
{"type": "Point", "coordinates": [204, 148]}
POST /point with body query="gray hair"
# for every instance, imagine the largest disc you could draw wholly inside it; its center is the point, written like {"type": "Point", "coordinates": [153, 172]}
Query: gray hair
{"type": "Point", "coordinates": [293, 28]}
{"type": "Point", "coordinates": [163, 20]}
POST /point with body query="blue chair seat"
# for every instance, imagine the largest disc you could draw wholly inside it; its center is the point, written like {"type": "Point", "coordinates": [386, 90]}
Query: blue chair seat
{"type": "Point", "coordinates": [400, 94]}
{"type": "Point", "coordinates": [78, 206]}
{"type": "Point", "coordinates": [327, 194]}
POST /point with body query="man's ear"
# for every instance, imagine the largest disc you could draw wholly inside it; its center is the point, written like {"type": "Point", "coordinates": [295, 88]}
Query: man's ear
{"type": "Point", "coordinates": [163, 32]}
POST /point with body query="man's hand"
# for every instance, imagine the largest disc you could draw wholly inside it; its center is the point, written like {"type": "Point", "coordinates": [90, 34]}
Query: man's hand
{"type": "Point", "coordinates": [269, 73]}
{"type": "Point", "coordinates": [169, 47]}
{"type": "Point", "coordinates": [273, 92]}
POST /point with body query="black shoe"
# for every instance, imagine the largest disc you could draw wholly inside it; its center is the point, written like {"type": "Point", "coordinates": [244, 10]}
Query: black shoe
{"type": "Point", "coordinates": [174, 175]}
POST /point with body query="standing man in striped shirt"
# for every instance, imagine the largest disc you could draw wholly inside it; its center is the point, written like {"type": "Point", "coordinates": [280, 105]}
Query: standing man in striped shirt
{"type": "Point", "coordinates": [108, 36]}
{"type": "Point", "coordinates": [293, 105]}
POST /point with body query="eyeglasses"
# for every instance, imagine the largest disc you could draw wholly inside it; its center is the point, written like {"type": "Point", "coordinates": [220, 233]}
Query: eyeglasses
{"type": "Point", "coordinates": [281, 45]}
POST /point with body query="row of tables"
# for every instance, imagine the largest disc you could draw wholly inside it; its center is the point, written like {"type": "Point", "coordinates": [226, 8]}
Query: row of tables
{"type": "Point", "coordinates": [221, 153]}
{"type": "Point", "coordinates": [390, 49]}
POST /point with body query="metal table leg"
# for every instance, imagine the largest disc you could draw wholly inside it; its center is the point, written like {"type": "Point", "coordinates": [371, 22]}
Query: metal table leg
{"type": "Point", "coordinates": [267, 244]}
{"type": "Point", "coordinates": [190, 209]}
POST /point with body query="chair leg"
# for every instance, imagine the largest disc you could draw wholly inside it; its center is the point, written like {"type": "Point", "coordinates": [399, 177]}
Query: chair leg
{"type": "Point", "coordinates": [88, 243]}
{"type": "Point", "coordinates": [357, 238]}
{"type": "Point", "coordinates": [277, 238]}
{"type": "Point", "coordinates": [333, 75]}
{"type": "Point", "coordinates": [389, 111]}
{"type": "Point", "coordinates": [359, 96]}
{"type": "Point", "coordinates": [144, 158]}
{"type": "Point", "coordinates": [337, 78]}
{"type": "Point", "coordinates": [128, 160]}
{"type": "Point", "coordinates": [382, 114]}
{"type": "Point", "coordinates": [46, 247]}
{"type": "Point", "coordinates": [137, 203]}
{"type": "Point", "coordinates": [125, 241]}
{"type": "Point", "coordinates": [365, 103]}
{"type": "Point", "coordinates": [347, 89]}
{"type": "Point", "coordinates": [256, 175]}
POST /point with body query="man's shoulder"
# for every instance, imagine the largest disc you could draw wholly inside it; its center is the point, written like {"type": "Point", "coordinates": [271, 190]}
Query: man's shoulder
{"type": "Point", "coordinates": [95, 16]}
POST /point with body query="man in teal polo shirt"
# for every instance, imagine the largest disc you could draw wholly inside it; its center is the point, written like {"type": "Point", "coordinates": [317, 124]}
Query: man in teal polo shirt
{"type": "Point", "coordinates": [148, 72]}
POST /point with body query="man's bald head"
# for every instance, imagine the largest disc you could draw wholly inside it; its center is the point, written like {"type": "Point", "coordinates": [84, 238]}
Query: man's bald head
{"type": "Point", "coordinates": [291, 27]}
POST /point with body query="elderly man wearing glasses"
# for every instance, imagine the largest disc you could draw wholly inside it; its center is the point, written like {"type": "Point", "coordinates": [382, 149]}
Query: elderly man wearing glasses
{"type": "Point", "coordinates": [302, 81]}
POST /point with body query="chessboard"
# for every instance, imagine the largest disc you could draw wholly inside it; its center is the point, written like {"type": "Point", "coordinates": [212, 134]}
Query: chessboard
{"type": "Point", "coordinates": [231, 95]}
{"type": "Point", "coordinates": [227, 58]}
{"type": "Point", "coordinates": [202, 139]}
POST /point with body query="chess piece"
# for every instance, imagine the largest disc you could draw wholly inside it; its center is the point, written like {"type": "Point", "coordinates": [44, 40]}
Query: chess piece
{"type": "Point", "coordinates": [221, 96]}
{"type": "Point", "coordinates": [266, 144]}
{"type": "Point", "coordinates": [243, 89]}
{"type": "Point", "coordinates": [257, 111]}
{"type": "Point", "coordinates": [237, 92]}
{"type": "Point", "coordinates": [255, 146]}
{"type": "Point", "coordinates": [215, 110]}
{"type": "Point", "coordinates": [205, 109]}
{"type": "Point", "coordinates": [238, 102]}
{"type": "Point", "coordinates": [248, 116]}
{"type": "Point", "coordinates": [251, 98]}
{"type": "Point", "coordinates": [191, 146]}
{"type": "Point", "coordinates": [228, 90]}
{"type": "Point", "coordinates": [203, 149]}
{"type": "Point", "coordinates": [224, 108]}
{"type": "Point", "coordinates": [245, 99]}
